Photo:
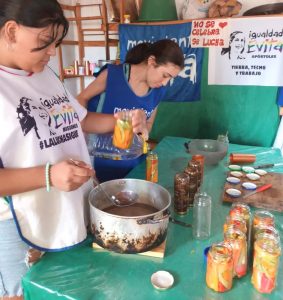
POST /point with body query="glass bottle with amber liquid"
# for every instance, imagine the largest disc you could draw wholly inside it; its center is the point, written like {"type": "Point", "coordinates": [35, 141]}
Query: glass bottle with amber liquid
{"type": "Point", "coordinates": [152, 166]}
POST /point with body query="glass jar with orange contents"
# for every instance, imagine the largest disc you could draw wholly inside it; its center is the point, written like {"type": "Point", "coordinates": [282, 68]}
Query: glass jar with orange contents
{"type": "Point", "coordinates": [238, 240]}
{"type": "Point", "coordinates": [123, 131]}
{"type": "Point", "coordinates": [219, 271]}
{"type": "Point", "coordinates": [266, 229]}
{"type": "Point", "coordinates": [236, 221]}
{"type": "Point", "coordinates": [267, 251]}
{"type": "Point", "coordinates": [243, 210]}
{"type": "Point", "coordinates": [262, 217]}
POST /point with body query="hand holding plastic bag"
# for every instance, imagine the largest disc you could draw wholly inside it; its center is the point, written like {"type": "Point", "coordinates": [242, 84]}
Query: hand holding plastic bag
{"type": "Point", "coordinates": [132, 137]}
{"type": "Point", "coordinates": [102, 146]}
{"type": "Point", "coordinates": [138, 120]}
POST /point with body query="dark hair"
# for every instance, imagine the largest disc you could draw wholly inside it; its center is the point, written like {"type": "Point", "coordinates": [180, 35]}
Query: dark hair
{"type": "Point", "coordinates": [164, 51]}
{"type": "Point", "coordinates": [232, 37]}
{"type": "Point", "coordinates": [37, 14]}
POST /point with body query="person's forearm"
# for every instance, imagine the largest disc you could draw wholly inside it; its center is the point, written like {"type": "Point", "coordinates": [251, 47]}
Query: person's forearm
{"type": "Point", "coordinates": [15, 181]}
{"type": "Point", "coordinates": [98, 123]}
{"type": "Point", "coordinates": [97, 87]}
{"type": "Point", "coordinates": [149, 126]}
{"type": "Point", "coordinates": [87, 94]}
{"type": "Point", "coordinates": [82, 100]}
{"type": "Point", "coordinates": [150, 121]}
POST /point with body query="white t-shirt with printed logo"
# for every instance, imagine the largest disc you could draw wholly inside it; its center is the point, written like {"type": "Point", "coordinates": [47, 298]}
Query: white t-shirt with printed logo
{"type": "Point", "coordinates": [40, 123]}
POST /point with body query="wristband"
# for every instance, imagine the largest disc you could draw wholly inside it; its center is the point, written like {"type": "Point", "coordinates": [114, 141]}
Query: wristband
{"type": "Point", "coordinates": [47, 176]}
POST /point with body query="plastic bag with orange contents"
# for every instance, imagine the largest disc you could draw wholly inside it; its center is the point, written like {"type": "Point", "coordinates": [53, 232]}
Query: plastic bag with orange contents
{"type": "Point", "coordinates": [101, 146]}
{"type": "Point", "coordinates": [123, 144]}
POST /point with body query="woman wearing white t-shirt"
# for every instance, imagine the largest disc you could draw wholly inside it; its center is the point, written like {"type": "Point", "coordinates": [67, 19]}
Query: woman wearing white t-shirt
{"type": "Point", "coordinates": [42, 191]}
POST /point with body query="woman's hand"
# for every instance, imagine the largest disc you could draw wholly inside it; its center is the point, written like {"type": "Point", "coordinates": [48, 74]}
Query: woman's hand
{"type": "Point", "coordinates": [69, 175]}
{"type": "Point", "coordinates": [138, 118]}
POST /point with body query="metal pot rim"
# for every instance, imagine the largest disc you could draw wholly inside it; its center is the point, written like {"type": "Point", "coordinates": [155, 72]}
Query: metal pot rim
{"type": "Point", "coordinates": [130, 217]}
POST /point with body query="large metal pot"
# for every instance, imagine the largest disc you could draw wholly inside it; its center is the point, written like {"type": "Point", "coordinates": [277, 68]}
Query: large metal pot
{"type": "Point", "coordinates": [131, 229]}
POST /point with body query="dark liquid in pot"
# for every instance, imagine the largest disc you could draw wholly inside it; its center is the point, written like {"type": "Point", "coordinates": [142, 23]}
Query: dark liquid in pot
{"type": "Point", "coordinates": [137, 209]}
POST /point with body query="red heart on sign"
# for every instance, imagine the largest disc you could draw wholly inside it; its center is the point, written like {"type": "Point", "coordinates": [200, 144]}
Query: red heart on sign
{"type": "Point", "coordinates": [223, 24]}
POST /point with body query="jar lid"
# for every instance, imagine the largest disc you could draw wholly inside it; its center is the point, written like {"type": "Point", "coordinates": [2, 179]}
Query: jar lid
{"type": "Point", "coordinates": [248, 169]}
{"type": "Point", "coordinates": [162, 280]}
{"type": "Point", "coordinates": [249, 185]}
{"type": "Point", "coordinates": [260, 172]}
{"type": "Point", "coordinates": [233, 180]}
{"type": "Point", "coordinates": [234, 193]}
{"type": "Point", "coordinates": [205, 252]}
{"type": "Point", "coordinates": [235, 167]}
{"type": "Point", "coordinates": [236, 174]}
{"type": "Point", "coordinates": [253, 176]}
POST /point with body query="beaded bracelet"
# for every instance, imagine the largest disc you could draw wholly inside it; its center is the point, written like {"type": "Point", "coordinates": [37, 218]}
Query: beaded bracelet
{"type": "Point", "coordinates": [47, 176]}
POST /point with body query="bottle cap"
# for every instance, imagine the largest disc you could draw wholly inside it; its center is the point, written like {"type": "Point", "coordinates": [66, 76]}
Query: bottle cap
{"type": "Point", "coordinates": [145, 147]}
{"type": "Point", "coordinates": [162, 280]}
{"type": "Point", "coordinates": [233, 193]}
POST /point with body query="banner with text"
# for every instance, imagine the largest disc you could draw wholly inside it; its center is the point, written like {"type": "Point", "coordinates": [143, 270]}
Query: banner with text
{"type": "Point", "coordinates": [210, 33]}
{"type": "Point", "coordinates": [186, 86]}
{"type": "Point", "coordinates": [253, 56]}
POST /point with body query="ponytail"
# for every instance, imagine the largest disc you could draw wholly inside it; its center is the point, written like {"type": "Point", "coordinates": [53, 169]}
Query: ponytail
{"type": "Point", "coordinates": [138, 54]}
{"type": "Point", "coordinates": [165, 51]}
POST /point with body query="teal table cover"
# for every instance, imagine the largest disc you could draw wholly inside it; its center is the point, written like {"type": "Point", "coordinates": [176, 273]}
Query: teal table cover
{"type": "Point", "coordinates": [84, 273]}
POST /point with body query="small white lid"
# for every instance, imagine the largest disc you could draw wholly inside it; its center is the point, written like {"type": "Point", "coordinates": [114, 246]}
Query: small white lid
{"type": "Point", "coordinates": [260, 172]}
{"type": "Point", "coordinates": [253, 176]}
{"type": "Point", "coordinates": [234, 193]}
{"type": "Point", "coordinates": [235, 167]}
{"type": "Point", "coordinates": [236, 174]}
{"type": "Point", "coordinates": [233, 180]}
{"type": "Point", "coordinates": [248, 169]}
{"type": "Point", "coordinates": [249, 186]}
{"type": "Point", "coordinates": [162, 280]}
